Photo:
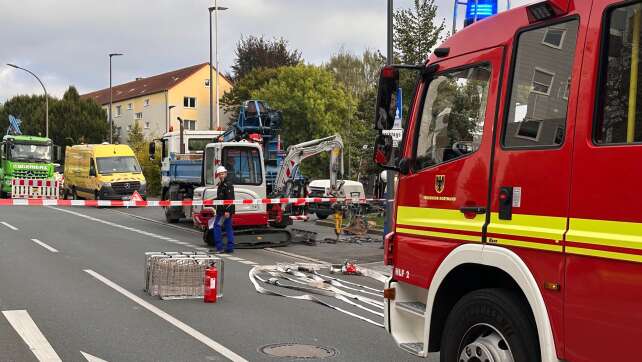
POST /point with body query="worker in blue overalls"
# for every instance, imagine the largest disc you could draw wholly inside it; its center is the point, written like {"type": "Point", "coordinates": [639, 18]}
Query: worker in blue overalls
{"type": "Point", "coordinates": [224, 191]}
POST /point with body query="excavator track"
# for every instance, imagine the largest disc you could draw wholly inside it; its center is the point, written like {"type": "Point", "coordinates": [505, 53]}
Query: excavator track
{"type": "Point", "coordinates": [257, 238]}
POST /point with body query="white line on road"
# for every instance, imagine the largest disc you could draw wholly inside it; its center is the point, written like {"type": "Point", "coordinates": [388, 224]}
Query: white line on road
{"type": "Point", "coordinates": [9, 225]}
{"type": "Point", "coordinates": [234, 258]}
{"type": "Point", "coordinates": [53, 250]}
{"type": "Point", "coordinates": [29, 332]}
{"type": "Point", "coordinates": [177, 323]}
{"type": "Point", "coordinates": [248, 262]}
{"type": "Point", "coordinates": [91, 358]}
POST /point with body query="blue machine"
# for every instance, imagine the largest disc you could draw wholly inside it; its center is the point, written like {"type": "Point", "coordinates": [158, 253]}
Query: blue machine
{"type": "Point", "coordinates": [259, 123]}
{"type": "Point", "coordinates": [14, 126]}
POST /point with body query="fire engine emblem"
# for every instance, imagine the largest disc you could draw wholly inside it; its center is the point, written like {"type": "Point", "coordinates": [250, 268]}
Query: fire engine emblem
{"type": "Point", "coordinates": [440, 183]}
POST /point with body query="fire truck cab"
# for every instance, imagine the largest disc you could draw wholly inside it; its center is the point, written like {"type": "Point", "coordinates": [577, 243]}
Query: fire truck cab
{"type": "Point", "coordinates": [517, 224]}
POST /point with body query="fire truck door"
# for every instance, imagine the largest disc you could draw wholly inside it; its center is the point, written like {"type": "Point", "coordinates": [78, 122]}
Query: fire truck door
{"type": "Point", "coordinates": [532, 160]}
{"type": "Point", "coordinates": [603, 293]}
{"type": "Point", "coordinates": [442, 202]}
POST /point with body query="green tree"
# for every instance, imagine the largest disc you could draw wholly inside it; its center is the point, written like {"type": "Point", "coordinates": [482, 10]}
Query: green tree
{"type": "Point", "coordinates": [151, 168]}
{"type": "Point", "coordinates": [314, 105]}
{"type": "Point", "coordinates": [71, 120]}
{"type": "Point", "coordinates": [244, 87]}
{"type": "Point", "coordinates": [256, 52]}
{"type": "Point", "coordinates": [359, 76]}
{"type": "Point", "coordinates": [416, 31]}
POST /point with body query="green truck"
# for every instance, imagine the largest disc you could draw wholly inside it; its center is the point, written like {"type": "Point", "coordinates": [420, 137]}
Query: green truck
{"type": "Point", "coordinates": [26, 167]}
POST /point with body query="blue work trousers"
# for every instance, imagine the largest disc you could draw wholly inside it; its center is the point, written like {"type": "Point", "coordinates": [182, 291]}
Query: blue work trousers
{"type": "Point", "coordinates": [229, 233]}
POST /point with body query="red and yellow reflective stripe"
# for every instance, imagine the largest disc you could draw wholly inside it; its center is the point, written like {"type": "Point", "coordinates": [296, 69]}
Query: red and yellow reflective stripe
{"type": "Point", "coordinates": [596, 238]}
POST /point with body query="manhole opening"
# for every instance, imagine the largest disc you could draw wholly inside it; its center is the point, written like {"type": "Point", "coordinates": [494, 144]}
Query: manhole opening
{"type": "Point", "coordinates": [297, 350]}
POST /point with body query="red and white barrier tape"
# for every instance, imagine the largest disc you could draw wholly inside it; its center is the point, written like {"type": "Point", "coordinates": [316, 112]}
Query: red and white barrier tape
{"type": "Point", "coordinates": [167, 203]}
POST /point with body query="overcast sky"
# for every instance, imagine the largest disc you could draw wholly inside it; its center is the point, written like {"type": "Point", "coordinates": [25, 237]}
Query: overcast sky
{"type": "Point", "coordinates": [66, 42]}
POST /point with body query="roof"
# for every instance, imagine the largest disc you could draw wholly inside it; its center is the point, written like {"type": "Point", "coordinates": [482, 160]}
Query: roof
{"type": "Point", "coordinates": [105, 149]}
{"type": "Point", "coordinates": [150, 85]}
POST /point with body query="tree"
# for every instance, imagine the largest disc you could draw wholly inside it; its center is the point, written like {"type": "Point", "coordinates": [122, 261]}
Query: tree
{"type": "Point", "coordinates": [244, 87]}
{"type": "Point", "coordinates": [313, 106]}
{"type": "Point", "coordinates": [359, 76]}
{"type": "Point", "coordinates": [416, 32]}
{"type": "Point", "coordinates": [151, 168]}
{"type": "Point", "coordinates": [71, 120]}
{"type": "Point", "coordinates": [256, 52]}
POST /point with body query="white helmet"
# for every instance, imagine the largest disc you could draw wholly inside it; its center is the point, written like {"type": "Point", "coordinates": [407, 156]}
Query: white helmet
{"type": "Point", "coordinates": [220, 169]}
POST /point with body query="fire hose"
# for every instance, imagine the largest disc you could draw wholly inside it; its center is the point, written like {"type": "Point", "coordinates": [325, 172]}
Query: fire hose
{"type": "Point", "coordinates": [313, 285]}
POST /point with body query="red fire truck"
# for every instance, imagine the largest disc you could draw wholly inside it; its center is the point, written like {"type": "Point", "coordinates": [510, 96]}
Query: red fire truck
{"type": "Point", "coordinates": [517, 232]}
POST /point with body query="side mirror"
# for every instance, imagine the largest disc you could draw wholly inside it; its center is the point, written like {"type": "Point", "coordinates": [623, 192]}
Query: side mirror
{"type": "Point", "coordinates": [386, 98]}
{"type": "Point", "coordinates": [383, 150]}
{"type": "Point", "coordinates": [152, 150]}
{"type": "Point", "coordinates": [405, 165]}
{"type": "Point", "coordinates": [57, 154]}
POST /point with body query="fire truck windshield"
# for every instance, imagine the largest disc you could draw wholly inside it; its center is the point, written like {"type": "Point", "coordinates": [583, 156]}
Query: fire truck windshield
{"type": "Point", "coordinates": [453, 115]}
{"type": "Point", "coordinates": [30, 152]}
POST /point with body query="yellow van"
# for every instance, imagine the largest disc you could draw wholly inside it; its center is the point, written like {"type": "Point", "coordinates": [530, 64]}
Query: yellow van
{"type": "Point", "coordinates": [102, 172]}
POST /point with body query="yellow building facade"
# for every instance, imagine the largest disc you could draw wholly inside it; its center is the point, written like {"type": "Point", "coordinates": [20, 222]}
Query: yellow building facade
{"type": "Point", "coordinates": [156, 102]}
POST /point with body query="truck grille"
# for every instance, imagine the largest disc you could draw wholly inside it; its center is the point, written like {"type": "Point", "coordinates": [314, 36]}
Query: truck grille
{"type": "Point", "coordinates": [125, 188]}
{"type": "Point", "coordinates": [30, 174]}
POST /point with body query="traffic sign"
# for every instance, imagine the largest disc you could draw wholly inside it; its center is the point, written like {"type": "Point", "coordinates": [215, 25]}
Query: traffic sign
{"type": "Point", "coordinates": [136, 197]}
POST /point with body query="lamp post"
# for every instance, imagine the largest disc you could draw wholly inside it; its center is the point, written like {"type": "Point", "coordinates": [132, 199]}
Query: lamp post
{"type": "Point", "coordinates": [169, 118]}
{"type": "Point", "coordinates": [46, 97]}
{"type": "Point", "coordinates": [214, 9]}
{"type": "Point", "coordinates": [111, 122]}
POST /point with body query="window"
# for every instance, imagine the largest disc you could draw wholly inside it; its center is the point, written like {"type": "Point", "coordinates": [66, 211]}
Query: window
{"type": "Point", "coordinates": [139, 115]}
{"type": "Point", "coordinates": [198, 144]}
{"type": "Point", "coordinates": [536, 114]}
{"type": "Point", "coordinates": [210, 167]}
{"type": "Point", "coordinates": [189, 102]}
{"type": "Point", "coordinates": [146, 103]}
{"type": "Point", "coordinates": [554, 37]}
{"type": "Point", "coordinates": [567, 89]}
{"type": "Point", "coordinates": [243, 165]}
{"type": "Point", "coordinates": [207, 83]}
{"type": "Point", "coordinates": [189, 125]}
{"type": "Point", "coordinates": [119, 111]}
{"type": "Point", "coordinates": [146, 125]}
{"type": "Point", "coordinates": [129, 106]}
{"type": "Point", "coordinates": [452, 119]}
{"type": "Point", "coordinates": [117, 164]}
{"type": "Point", "coordinates": [619, 115]}
{"type": "Point", "coordinates": [542, 81]}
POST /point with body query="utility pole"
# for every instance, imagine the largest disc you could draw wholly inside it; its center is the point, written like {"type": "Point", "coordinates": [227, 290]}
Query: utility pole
{"type": "Point", "coordinates": [390, 175]}
{"type": "Point", "coordinates": [111, 96]}
{"type": "Point", "coordinates": [214, 9]}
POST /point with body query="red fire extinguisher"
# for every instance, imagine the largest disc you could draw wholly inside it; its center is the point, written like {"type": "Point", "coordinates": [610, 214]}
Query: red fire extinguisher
{"type": "Point", "coordinates": [209, 293]}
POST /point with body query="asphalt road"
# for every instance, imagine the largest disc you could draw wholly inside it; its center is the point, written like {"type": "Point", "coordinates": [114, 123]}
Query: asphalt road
{"type": "Point", "coordinates": [79, 287]}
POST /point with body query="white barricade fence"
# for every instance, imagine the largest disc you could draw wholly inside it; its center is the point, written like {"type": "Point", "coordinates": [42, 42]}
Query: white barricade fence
{"type": "Point", "coordinates": [35, 189]}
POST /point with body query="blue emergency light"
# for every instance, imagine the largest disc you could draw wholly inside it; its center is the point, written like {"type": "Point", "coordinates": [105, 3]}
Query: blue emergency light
{"type": "Point", "coordinates": [480, 9]}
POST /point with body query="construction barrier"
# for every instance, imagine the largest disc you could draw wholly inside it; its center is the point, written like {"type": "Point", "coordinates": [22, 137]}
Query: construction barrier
{"type": "Point", "coordinates": [35, 189]}
{"type": "Point", "coordinates": [167, 203]}
{"type": "Point", "coordinates": [179, 275]}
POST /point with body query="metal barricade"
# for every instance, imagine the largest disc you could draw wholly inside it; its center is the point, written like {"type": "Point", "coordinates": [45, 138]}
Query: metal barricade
{"type": "Point", "coordinates": [35, 189]}
{"type": "Point", "coordinates": [180, 275]}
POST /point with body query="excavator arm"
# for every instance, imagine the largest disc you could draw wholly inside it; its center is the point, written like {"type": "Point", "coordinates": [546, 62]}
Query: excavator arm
{"type": "Point", "coordinates": [297, 153]}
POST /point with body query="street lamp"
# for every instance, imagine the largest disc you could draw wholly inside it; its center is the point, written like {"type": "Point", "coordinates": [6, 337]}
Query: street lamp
{"type": "Point", "coordinates": [214, 9]}
{"type": "Point", "coordinates": [111, 123]}
{"type": "Point", "coordinates": [46, 97]}
{"type": "Point", "coordinates": [169, 118]}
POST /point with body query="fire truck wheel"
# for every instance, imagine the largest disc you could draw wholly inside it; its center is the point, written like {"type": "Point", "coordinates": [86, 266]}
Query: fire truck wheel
{"type": "Point", "coordinates": [489, 325]}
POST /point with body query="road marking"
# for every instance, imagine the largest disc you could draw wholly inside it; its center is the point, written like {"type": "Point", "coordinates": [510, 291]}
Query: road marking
{"type": "Point", "coordinates": [29, 332]}
{"type": "Point", "coordinates": [91, 358]}
{"type": "Point", "coordinates": [168, 318]}
{"type": "Point", "coordinates": [248, 262]}
{"type": "Point", "coordinates": [234, 258]}
{"type": "Point", "coordinates": [9, 225]}
{"type": "Point", "coordinates": [53, 250]}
